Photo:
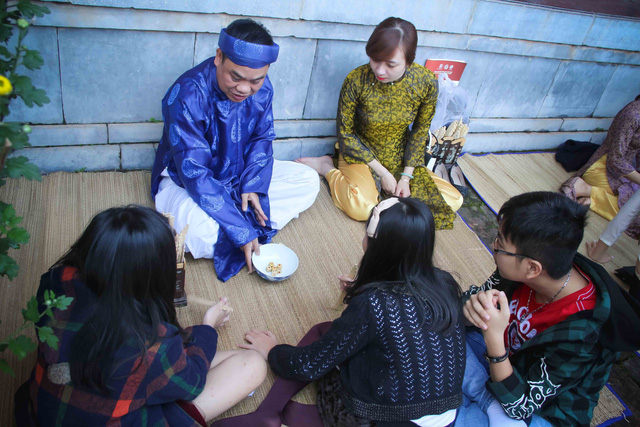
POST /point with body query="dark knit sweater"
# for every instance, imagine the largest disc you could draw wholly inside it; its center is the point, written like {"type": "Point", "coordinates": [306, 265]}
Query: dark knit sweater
{"type": "Point", "coordinates": [389, 370]}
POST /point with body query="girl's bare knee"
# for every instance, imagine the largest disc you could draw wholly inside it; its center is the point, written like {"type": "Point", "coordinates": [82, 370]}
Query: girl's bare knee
{"type": "Point", "coordinates": [255, 367]}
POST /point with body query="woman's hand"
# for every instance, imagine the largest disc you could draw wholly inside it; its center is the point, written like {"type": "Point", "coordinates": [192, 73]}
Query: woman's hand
{"type": "Point", "coordinates": [218, 315]}
{"type": "Point", "coordinates": [402, 189]}
{"type": "Point", "coordinates": [389, 183]}
{"type": "Point", "coordinates": [345, 281]}
{"type": "Point", "coordinates": [260, 341]}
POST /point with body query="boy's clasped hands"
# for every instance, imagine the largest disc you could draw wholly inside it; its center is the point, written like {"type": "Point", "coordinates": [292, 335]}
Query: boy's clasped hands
{"type": "Point", "coordinates": [489, 311]}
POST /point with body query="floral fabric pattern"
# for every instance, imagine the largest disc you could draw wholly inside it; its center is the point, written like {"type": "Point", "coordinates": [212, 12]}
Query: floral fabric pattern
{"type": "Point", "coordinates": [375, 123]}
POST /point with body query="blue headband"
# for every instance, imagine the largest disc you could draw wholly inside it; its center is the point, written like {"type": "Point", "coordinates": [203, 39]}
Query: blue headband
{"type": "Point", "coordinates": [252, 55]}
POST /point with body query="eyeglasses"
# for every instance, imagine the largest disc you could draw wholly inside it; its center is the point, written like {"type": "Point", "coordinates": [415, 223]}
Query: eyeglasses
{"type": "Point", "coordinates": [500, 251]}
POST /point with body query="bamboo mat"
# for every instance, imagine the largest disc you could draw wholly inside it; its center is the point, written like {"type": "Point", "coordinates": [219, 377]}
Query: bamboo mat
{"type": "Point", "coordinates": [498, 177]}
{"type": "Point", "coordinates": [327, 242]}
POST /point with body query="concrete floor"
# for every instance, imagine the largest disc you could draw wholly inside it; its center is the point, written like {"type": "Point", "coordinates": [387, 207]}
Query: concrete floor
{"type": "Point", "coordinates": [625, 375]}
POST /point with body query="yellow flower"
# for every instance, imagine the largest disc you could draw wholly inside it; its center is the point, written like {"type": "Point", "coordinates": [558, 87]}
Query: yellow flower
{"type": "Point", "coordinates": [5, 86]}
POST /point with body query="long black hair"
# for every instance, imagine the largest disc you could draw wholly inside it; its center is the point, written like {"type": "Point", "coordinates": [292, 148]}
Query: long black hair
{"type": "Point", "coordinates": [127, 257]}
{"type": "Point", "coordinates": [401, 255]}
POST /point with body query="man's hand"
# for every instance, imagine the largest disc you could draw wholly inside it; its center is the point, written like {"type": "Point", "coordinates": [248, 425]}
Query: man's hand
{"type": "Point", "coordinates": [389, 183]}
{"type": "Point", "coordinates": [257, 208]}
{"type": "Point", "coordinates": [249, 249]}
{"type": "Point", "coordinates": [476, 309]}
{"type": "Point", "coordinates": [260, 341]}
{"type": "Point", "coordinates": [402, 189]}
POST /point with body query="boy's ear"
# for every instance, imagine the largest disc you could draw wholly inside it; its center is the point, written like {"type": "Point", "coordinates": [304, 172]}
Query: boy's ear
{"type": "Point", "coordinates": [534, 268]}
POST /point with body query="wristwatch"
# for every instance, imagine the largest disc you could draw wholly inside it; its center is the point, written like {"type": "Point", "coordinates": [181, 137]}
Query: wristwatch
{"type": "Point", "coordinates": [498, 359]}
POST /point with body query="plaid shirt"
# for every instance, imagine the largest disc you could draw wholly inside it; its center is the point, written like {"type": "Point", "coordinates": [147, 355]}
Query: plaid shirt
{"type": "Point", "coordinates": [146, 396]}
{"type": "Point", "coordinates": [558, 374]}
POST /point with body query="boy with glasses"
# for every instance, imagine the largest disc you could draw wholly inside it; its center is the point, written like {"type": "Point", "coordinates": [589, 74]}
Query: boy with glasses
{"type": "Point", "coordinates": [552, 321]}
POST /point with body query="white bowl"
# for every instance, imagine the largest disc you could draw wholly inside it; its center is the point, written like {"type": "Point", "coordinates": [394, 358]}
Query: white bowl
{"type": "Point", "coordinates": [277, 254]}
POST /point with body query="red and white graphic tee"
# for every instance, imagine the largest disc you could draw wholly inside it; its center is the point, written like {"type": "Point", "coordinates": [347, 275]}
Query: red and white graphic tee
{"type": "Point", "coordinates": [525, 322]}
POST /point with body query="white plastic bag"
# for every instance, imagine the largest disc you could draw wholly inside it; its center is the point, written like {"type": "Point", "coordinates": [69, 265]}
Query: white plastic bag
{"type": "Point", "coordinates": [451, 105]}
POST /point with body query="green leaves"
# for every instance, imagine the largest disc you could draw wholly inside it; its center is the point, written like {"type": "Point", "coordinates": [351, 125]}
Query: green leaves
{"type": "Point", "coordinates": [15, 167]}
{"type": "Point", "coordinates": [19, 15]}
{"type": "Point", "coordinates": [32, 59]}
{"type": "Point", "coordinates": [30, 10]}
{"type": "Point", "coordinates": [11, 236]}
{"type": "Point", "coordinates": [30, 94]}
{"type": "Point", "coordinates": [31, 314]}
{"type": "Point", "coordinates": [21, 346]}
{"type": "Point", "coordinates": [46, 335]}
{"type": "Point", "coordinates": [8, 267]}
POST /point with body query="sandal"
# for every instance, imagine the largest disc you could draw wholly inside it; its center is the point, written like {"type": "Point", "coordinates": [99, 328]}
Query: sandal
{"type": "Point", "coordinates": [457, 179]}
{"type": "Point", "coordinates": [441, 171]}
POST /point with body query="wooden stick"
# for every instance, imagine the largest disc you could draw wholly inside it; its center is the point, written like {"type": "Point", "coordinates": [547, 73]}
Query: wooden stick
{"type": "Point", "coordinates": [206, 302]}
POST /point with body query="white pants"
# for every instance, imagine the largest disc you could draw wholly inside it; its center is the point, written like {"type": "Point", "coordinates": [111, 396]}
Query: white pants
{"type": "Point", "coordinates": [621, 221]}
{"type": "Point", "coordinates": [293, 189]}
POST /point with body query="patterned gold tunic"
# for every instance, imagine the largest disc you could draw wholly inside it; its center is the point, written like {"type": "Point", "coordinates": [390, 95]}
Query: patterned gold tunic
{"type": "Point", "coordinates": [374, 122]}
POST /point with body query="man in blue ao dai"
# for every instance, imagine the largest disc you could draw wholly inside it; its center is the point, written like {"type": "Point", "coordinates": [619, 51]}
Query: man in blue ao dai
{"type": "Point", "coordinates": [214, 168]}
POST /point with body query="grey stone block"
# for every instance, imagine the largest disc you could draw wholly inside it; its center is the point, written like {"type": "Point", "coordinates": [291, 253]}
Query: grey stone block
{"type": "Point", "coordinates": [315, 147]}
{"type": "Point", "coordinates": [623, 87]}
{"type": "Point", "coordinates": [284, 9]}
{"type": "Point", "coordinates": [514, 87]}
{"type": "Point", "coordinates": [134, 132]}
{"type": "Point", "coordinates": [70, 159]}
{"type": "Point", "coordinates": [44, 40]}
{"type": "Point", "coordinates": [290, 76]}
{"type": "Point", "coordinates": [286, 149]}
{"type": "Point", "coordinates": [598, 137]}
{"type": "Point", "coordinates": [304, 128]}
{"type": "Point", "coordinates": [137, 156]}
{"type": "Point", "coordinates": [480, 125]}
{"type": "Point", "coordinates": [119, 76]}
{"type": "Point", "coordinates": [443, 40]}
{"type": "Point", "coordinates": [576, 90]}
{"type": "Point", "coordinates": [441, 15]}
{"type": "Point", "coordinates": [497, 142]}
{"type": "Point", "coordinates": [66, 16]}
{"type": "Point", "coordinates": [334, 60]}
{"type": "Point", "coordinates": [518, 21]}
{"type": "Point", "coordinates": [591, 54]}
{"type": "Point", "coordinates": [614, 33]}
{"type": "Point", "coordinates": [569, 125]}
{"type": "Point", "coordinates": [206, 45]}
{"type": "Point", "coordinates": [56, 135]}
{"type": "Point", "coordinates": [519, 47]}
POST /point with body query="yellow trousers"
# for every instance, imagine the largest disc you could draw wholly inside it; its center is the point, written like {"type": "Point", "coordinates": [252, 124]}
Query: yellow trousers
{"type": "Point", "coordinates": [354, 191]}
{"type": "Point", "coordinates": [603, 201]}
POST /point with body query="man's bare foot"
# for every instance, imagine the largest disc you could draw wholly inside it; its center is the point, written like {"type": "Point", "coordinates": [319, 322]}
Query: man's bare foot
{"type": "Point", "coordinates": [581, 188]}
{"type": "Point", "coordinates": [322, 165]}
{"type": "Point", "coordinates": [597, 251]}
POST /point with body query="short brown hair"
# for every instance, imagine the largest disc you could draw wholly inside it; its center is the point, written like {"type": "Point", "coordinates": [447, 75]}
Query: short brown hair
{"type": "Point", "coordinates": [390, 34]}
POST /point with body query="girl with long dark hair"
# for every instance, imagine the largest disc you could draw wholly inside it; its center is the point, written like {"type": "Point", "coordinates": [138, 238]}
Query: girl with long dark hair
{"type": "Point", "coordinates": [397, 352]}
{"type": "Point", "coordinates": [123, 357]}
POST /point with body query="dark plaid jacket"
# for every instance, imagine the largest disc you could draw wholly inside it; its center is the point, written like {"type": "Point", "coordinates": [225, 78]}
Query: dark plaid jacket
{"type": "Point", "coordinates": [145, 396]}
{"type": "Point", "coordinates": [558, 374]}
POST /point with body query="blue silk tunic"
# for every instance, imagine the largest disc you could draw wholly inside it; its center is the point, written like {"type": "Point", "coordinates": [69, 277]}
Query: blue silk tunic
{"type": "Point", "coordinates": [217, 149]}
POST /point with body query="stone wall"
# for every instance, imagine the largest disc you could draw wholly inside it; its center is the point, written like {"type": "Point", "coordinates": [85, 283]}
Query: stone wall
{"type": "Point", "coordinates": [535, 76]}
